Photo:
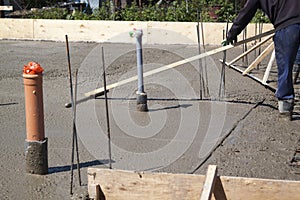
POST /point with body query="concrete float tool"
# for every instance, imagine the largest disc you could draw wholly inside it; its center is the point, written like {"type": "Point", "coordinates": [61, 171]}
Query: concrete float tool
{"type": "Point", "coordinates": [100, 91]}
{"type": "Point", "coordinates": [270, 87]}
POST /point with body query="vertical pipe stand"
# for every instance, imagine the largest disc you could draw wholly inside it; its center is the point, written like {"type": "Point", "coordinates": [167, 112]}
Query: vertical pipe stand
{"type": "Point", "coordinates": [141, 94]}
{"type": "Point", "coordinates": [36, 150]}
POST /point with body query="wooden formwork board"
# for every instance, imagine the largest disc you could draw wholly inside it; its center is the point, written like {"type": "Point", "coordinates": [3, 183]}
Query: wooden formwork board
{"type": "Point", "coordinates": [6, 8]}
{"type": "Point", "coordinates": [115, 31]}
{"type": "Point", "coordinates": [119, 185]}
{"type": "Point", "coordinates": [11, 29]}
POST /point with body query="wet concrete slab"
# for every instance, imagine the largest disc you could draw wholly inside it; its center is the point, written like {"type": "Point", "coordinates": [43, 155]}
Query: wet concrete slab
{"type": "Point", "coordinates": [176, 135]}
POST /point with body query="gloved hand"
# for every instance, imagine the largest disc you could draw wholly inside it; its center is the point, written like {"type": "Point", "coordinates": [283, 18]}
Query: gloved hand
{"type": "Point", "coordinates": [226, 42]}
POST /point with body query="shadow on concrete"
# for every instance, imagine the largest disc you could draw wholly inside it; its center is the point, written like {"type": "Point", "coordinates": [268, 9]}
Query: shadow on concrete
{"type": "Point", "coordinates": [8, 104]}
{"type": "Point", "coordinates": [182, 99]}
{"type": "Point", "coordinates": [171, 107]}
{"type": "Point", "coordinates": [269, 106]}
{"type": "Point", "coordinates": [53, 170]}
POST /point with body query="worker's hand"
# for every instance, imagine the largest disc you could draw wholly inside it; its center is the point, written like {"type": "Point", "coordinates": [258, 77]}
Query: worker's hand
{"type": "Point", "coordinates": [229, 41]}
{"type": "Point", "coordinates": [226, 42]}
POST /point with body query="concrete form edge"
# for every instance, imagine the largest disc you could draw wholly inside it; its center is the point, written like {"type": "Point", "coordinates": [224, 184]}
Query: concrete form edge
{"type": "Point", "coordinates": [114, 31]}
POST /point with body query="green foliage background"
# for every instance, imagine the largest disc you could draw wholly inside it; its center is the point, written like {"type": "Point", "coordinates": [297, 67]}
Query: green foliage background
{"type": "Point", "coordinates": [178, 10]}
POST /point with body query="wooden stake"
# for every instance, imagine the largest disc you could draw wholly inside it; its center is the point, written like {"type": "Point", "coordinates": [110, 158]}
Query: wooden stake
{"type": "Point", "coordinates": [209, 183]}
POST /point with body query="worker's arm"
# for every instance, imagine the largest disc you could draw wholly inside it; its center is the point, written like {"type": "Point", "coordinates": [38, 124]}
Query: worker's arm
{"type": "Point", "coordinates": [242, 20]}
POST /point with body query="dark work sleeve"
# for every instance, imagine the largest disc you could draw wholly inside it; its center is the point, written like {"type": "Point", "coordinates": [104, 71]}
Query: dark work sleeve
{"type": "Point", "coordinates": [242, 20]}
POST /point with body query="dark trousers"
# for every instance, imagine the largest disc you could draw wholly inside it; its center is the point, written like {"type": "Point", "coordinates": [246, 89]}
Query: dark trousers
{"type": "Point", "coordinates": [286, 42]}
{"type": "Point", "coordinates": [297, 61]}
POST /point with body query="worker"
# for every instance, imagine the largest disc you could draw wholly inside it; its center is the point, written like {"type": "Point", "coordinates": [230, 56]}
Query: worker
{"type": "Point", "coordinates": [285, 17]}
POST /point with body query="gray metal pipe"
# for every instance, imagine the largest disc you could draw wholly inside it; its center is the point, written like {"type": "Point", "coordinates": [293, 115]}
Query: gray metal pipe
{"type": "Point", "coordinates": [139, 55]}
{"type": "Point", "coordinates": [141, 94]}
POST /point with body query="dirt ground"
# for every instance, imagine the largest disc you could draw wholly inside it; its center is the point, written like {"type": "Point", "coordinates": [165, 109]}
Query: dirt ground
{"type": "Point", "coordinates": [251, 142]}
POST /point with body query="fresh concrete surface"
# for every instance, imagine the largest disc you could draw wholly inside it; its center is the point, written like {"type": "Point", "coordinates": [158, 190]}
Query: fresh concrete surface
{"type": "Point", "coordinates": [179, 134]}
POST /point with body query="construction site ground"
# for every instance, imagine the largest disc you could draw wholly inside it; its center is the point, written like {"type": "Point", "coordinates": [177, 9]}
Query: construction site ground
{"type": "Point", "coordinates": [241, 133]}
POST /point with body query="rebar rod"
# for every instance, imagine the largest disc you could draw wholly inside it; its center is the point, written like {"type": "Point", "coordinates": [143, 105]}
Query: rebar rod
{"type": "Point", "coordinates": [106, 109]}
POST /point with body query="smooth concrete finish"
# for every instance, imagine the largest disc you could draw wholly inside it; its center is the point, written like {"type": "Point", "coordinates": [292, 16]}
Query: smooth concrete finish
{"type": "Point", "coordinates": [115, 31]}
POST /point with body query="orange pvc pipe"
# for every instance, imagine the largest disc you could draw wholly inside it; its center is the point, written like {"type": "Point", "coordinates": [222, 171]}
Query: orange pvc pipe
{"type": "Point", "coordinates": [34, 107]}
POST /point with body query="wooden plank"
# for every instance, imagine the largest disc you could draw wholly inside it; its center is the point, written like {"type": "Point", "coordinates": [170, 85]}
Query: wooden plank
{"type": "Point", "coordinates": [119, 185]}
{"type": "Point", "coordinates": [99, 91]}
{"type": "Point", "coordinates": [209, 183]}
{"type": "Point", "coordinates": [6, 8]}
{"type": "Point", "coordinates": [251, 49]}
{"type": "Point", "coordinates": [267, 72]}
{"type": "Point", "coordinates": [255, 37]}
{"type": "Point", "coordinates": [161, 69]}
{"type": "Point", "coordinates": [260, 58]}
{"type": "Point", "coordinates": [176, 64]}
